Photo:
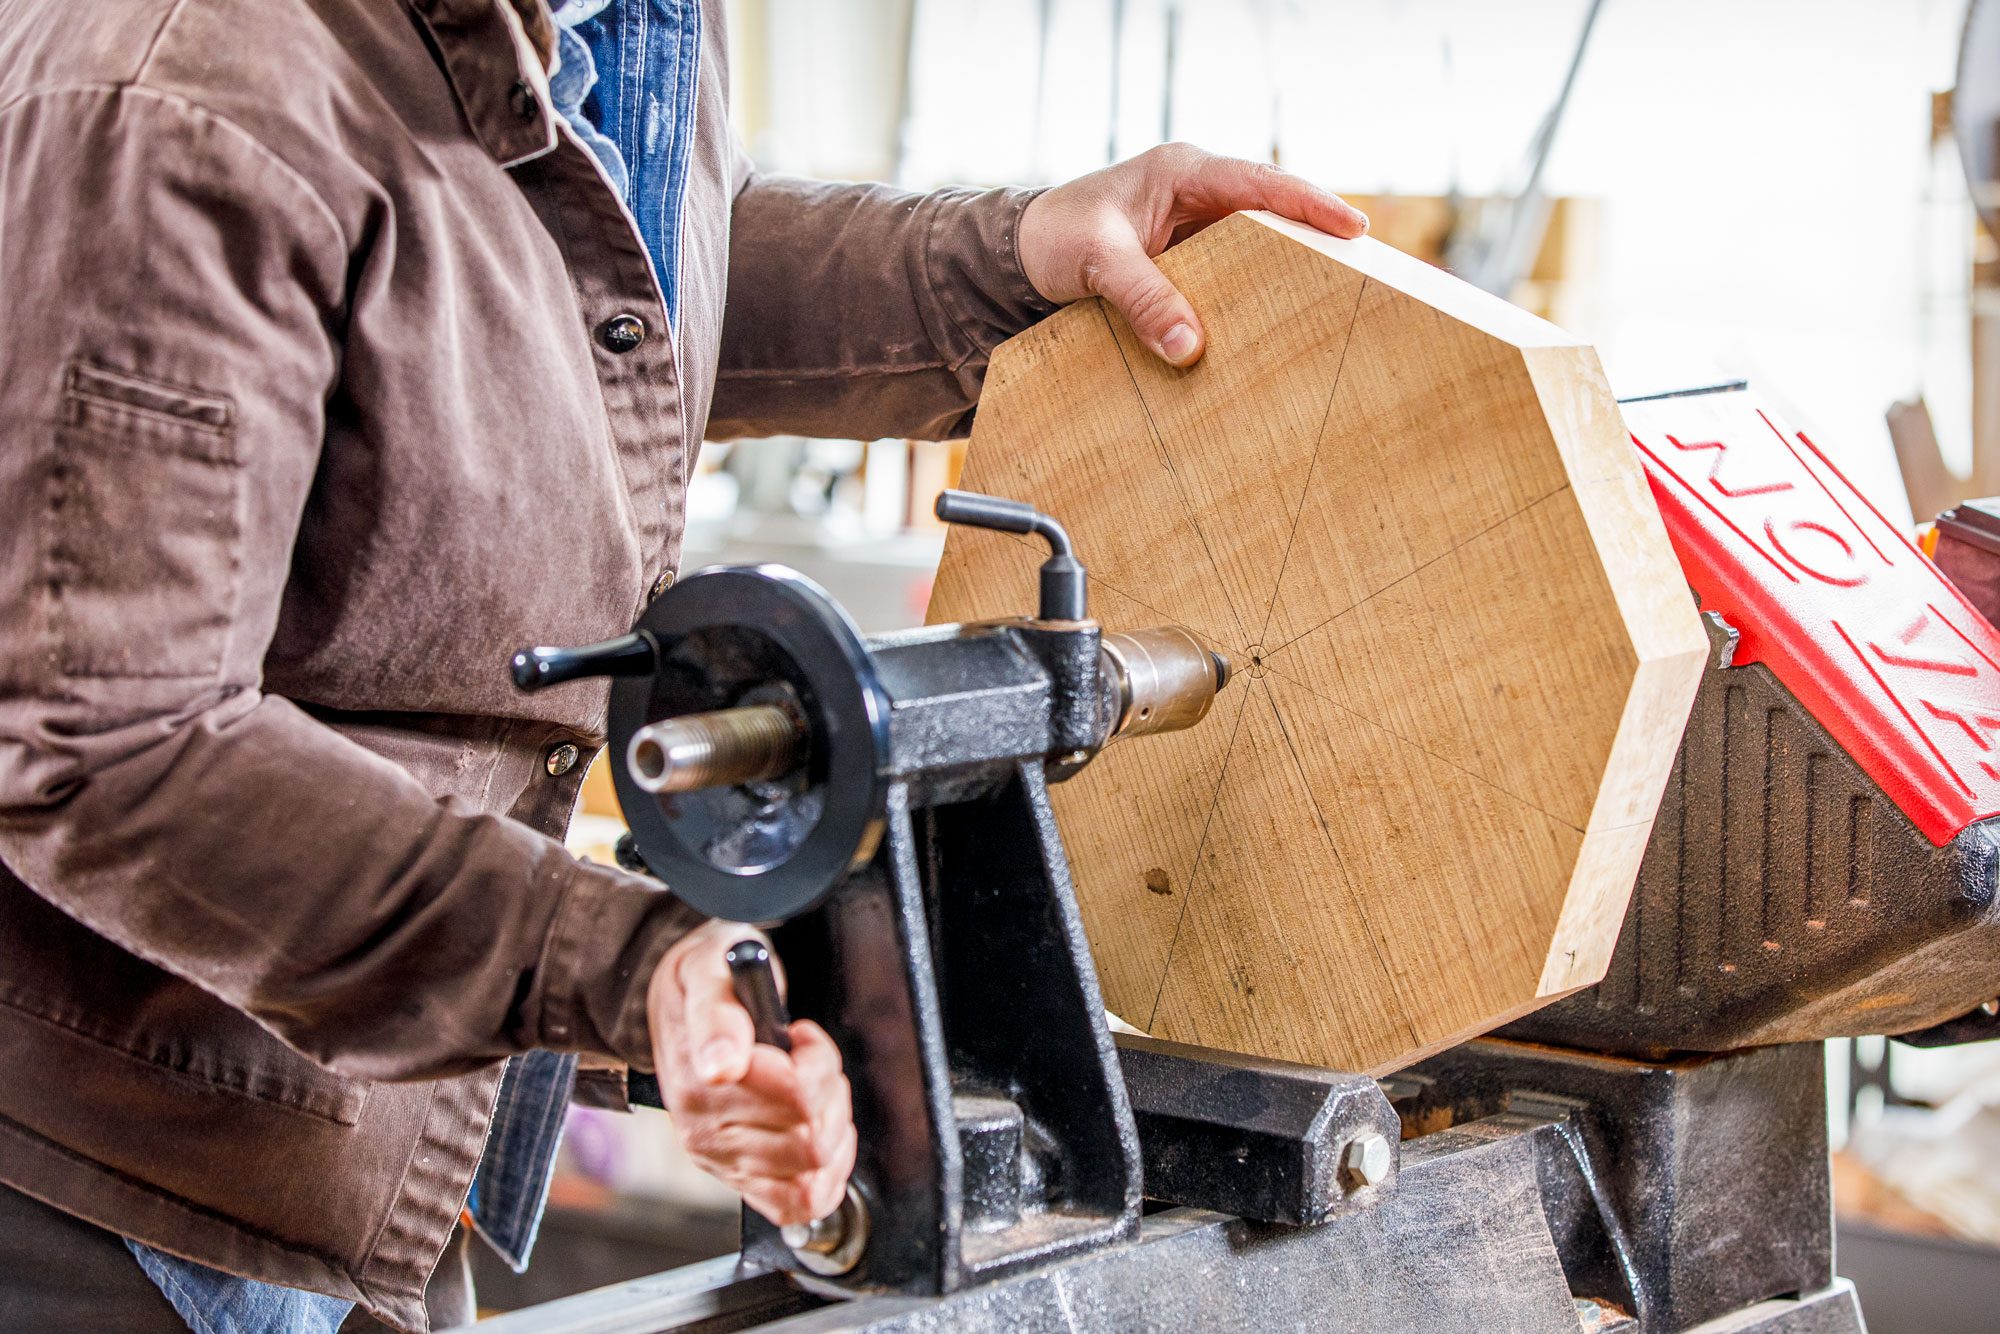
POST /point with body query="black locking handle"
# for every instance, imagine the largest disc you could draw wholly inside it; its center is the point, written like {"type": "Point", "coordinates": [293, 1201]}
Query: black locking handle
{"type": "Point", "coordinates": [757, 988]}
{"type": "Point", "coordinates": [1064, 595]}
{"type": "Point", "coordinates": [635, 654]}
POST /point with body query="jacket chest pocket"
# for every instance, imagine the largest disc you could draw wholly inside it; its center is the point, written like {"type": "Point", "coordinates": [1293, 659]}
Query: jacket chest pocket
{"type": "Point", "coordinates": [143, 515]}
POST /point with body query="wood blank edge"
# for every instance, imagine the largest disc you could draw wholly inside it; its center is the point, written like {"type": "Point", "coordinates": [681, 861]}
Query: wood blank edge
{"type": "Point", "coordinates": [1643, 575]}
{"type": "Point", "coordinates": [1618, 507]}
{"type": "Point", "coordinates": [1656, 712]}
{"type": "Point", "coordinates": [1429, 284]}
{"type": "Point", "coordinates": [1600, 888]}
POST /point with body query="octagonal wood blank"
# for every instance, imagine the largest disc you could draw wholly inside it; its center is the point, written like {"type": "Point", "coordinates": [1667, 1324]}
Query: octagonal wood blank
{"type": "Point", "coordinates": [1409, 514]}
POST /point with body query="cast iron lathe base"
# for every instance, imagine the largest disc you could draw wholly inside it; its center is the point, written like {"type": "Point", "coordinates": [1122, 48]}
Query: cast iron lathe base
{"type": "Point", "coordinates": [1538, 1189]}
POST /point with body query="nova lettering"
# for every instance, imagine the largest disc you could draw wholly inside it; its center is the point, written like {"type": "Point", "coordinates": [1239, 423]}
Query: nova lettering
{"type": "Point", "coordinates": [1721, 449]}
{"type": "Point", "coordinates": [1822, 543]}
{"type": "Point", "coordinates": [1977, 723]}
{"type": "Point", "coordinates": [1945, 659]}
{"type": "Point", "coordinates": [1933, 674]}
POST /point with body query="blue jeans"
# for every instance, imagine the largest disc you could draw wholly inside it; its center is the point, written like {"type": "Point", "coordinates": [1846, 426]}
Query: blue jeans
{"type": "Point", "coordinates": [213, 1302]}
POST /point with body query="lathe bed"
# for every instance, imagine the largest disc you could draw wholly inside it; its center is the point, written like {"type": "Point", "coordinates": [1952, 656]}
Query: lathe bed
{"type": "Point", "coordinates": [1541, 1190]}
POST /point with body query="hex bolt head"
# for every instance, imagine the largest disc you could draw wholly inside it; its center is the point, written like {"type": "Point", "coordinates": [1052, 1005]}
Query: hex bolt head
{"type": "Point", "coordinates": [834, 1244]}
{"type": "Point", "coordinates": [1365, 1161]}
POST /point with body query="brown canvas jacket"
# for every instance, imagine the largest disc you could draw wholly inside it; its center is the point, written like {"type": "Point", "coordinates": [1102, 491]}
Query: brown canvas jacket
{"type": "Point", "coordinates": [307, 419]}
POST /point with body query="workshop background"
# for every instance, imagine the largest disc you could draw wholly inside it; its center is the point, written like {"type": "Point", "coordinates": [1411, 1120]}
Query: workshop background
{"type": "Point", "coordinates": [1708, 190]}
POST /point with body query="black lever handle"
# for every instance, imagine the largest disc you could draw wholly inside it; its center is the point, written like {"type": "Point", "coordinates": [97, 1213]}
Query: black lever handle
{"type": "Point", "coordinates": [628, 655]}
{"type": "Point", "coordinates": [976, 510]}
{"type": "Point", "coordinates": [1064, 596]}
{"type": "Point", "coordinates": [757, 987]}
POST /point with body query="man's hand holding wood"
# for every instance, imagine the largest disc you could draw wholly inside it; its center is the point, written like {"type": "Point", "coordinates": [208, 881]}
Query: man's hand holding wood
{"type": "Point", "coordinates": [1098, 235]}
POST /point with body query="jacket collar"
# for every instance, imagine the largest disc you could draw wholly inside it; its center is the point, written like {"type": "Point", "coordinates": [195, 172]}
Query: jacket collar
{"type": "Point", "coordinates": [496, 54]}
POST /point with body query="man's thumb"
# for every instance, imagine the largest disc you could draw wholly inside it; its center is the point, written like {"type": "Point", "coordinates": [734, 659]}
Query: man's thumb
{"type": "Point", "coordinates": [1157, 312]}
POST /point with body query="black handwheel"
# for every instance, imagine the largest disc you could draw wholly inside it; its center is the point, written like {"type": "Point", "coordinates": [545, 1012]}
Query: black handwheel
{"type": "Point", "coordinates": [759, 852]}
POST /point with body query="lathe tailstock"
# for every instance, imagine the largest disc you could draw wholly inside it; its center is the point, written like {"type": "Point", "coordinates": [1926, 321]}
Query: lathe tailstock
{"type": "Point", "coordinates": [884, 805]}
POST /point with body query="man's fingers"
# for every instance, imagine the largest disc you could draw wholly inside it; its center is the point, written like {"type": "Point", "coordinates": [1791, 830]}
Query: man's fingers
{"type": "Point", "coordinates": [827, 1185]}
{"type": "Point", "coordinates": [814, 1054]}
{"type": "Point", "coordinates": [1161, 317]}
{"type": "Point", "coordinates": [806, 1086]}
{"type": "Point", "coordinates": [823, 1089]}
{"type": "Point", "coordinates": [824, 1188]}
{"type": "Point", "coordinates": [767, 1096]}
{"type": "Point", "coordinates": [776, 1185]}
{"type": "Point", "coordinates": [1227, 185]}
{"type": "Point", "coordinates": [740, 1153]}
{"type": "Point", "coordinates": [777, 1126]}
{"type": "Point", "coordinates": [805, 1197]}
{"type": "Point", "coordinates": [716, 1030]}
{"type": "Point", "coordinates": [784, 1136]}
{"type": "Point", "coordinates": [783, 1200]}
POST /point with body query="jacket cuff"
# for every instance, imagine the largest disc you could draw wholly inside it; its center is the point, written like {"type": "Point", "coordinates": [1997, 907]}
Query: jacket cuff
{"type": "Point", "coordinates": [602, 1087]}
{"type": "Point", "coordinates": [970, 261]}
{"type": "Point", "coordinates": [607, 938]}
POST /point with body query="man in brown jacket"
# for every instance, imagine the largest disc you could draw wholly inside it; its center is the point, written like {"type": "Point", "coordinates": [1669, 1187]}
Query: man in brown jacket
{"type": "Point", "coordinates": [338, 357]}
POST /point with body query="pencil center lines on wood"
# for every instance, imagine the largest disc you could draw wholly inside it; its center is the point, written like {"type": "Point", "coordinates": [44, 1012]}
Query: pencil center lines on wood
{"type": "Point", "coordinates": [1187, 510]}
{"type": "Point", "coordinates": [1357, 910]}
{"type": "Point", "coordinates": [1195, 878]}
{"type": "Point", "coordinates": [1402, 579]}
{"type": "Point", "coordinates": [1319, 447]}
{"type": "Point", "coordinates": [1474, 775]}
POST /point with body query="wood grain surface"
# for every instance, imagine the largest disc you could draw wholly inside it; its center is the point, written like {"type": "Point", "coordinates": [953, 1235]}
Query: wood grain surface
{"type": "Point", "coordinates": [1410, 516]}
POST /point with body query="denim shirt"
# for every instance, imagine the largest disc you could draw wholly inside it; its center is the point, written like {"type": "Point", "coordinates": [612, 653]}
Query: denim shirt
{"type": "Point", "coordinates": [624, 80]}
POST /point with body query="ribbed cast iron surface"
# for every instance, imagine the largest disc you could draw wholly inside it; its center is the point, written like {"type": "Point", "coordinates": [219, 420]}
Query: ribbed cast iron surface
{"type": "Point", "coordinates": [1784, 898]}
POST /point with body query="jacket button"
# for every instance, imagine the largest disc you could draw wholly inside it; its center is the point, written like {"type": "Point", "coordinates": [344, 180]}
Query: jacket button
{"type": "Point", "coordinates": [621, 333]}
{"type": "Point", "coordinates": [561, 759]}
{"type": "Point", "coordinates": [524, 102]}
{"type": "Point", "coordinates": [661, 585]}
